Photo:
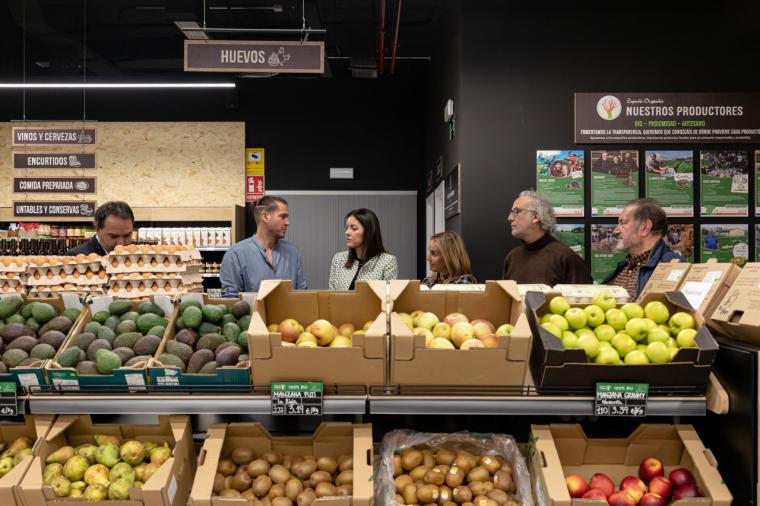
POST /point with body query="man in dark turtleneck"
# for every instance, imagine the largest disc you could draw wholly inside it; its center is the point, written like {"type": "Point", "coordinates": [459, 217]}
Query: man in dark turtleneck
{"type": "Point", "coordinates": [540, 258]}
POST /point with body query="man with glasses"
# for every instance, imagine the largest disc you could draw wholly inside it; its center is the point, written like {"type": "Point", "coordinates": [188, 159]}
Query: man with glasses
{"type": "Point", "coordinates": [540, 258]}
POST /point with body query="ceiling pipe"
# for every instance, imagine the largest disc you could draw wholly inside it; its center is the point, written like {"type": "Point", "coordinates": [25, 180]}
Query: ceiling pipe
{"type": "Point", "coordinates": [395, 37]}
{"type": "Point", "coordinates": [381, 51]}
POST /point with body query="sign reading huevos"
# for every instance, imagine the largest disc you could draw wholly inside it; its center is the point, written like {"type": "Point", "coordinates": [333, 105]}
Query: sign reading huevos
{"type": "Point", "coordinates": [34, 136]}
{"type": "Point", "coordinates": [254, 56]}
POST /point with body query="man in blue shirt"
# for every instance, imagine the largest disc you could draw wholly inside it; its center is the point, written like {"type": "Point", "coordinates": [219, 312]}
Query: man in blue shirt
{"type": "Point", "coordinates": [266, 255]}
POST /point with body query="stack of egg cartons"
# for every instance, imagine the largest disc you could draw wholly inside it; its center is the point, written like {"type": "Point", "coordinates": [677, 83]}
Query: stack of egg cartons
{"type": "Point", "coordinates": [48, 275]}
{"type": "Point", "coordinates": [13, 274]}
{"type": "Point", "coordinates": [145, 270]}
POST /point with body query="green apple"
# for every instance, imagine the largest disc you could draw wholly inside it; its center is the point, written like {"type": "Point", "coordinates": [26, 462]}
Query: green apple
{"type": "Point", "coordinates": [583, 330]}
{"type": "Point", "coordinates": [686, 338]}
{"type": "Point", "coordinates": [650, 323]}
{"type": "Point", "coordinates": [607, 356]}
{"type": "Point", "coordinates": [558, 305]}
{"type": "Point", "coordinates": [641, 346]}
{"type": "Point", "coordinates": [442, 330]}
{"type": "Point", "coordinates": [632, 311]}
{"type": "Point", "coordinates": [680, 321]}
{"type": "Point", "coordinates": [604, 332]}
{"type": "Point", "coordinates": [623, 343]}
{"type": "Point", "coordinates": [546, 317]}
{"type": "Point", "coordinates": [590, 345]}
{"type": "Point", "coordinates": [658, 353]}
{"type": "Point", "coordinates": [576, 318]}
{"type": "Point", "coordinates": [605, 344]}
{"type": "Point", "coordinates": [504, 330]}
{"type": "Point", "coordinates": [671, 343]}
{"type": "Point", "coordinates": [569, 340]}
{"type": "Point", "coordinates": [594, 315]}
{"type": "Point", "coordinates": [427, 321]}
{"type": "Point", "coordinates": [604, 300]}
{"type": "Point", "coordinates": [636, 357]}
{"type": "Point", "coordinates": [559, 321]}
{"type": "Point", "coordinates": [656, 311]}
{"type": "Point", "coordinates": [407, 319]}
{"type": "Point", "coordinates": [663, 327]}
{"type": "Point", "coordinates": [616, 318]}
{"type": "Point", "coordinates": [637, 328]}
{"type": "Point", "coordinates": [552, 329]}
{"type": "Point", "coordinates": [657, 335]}
{"type": "Point", "coordinates": [673, 353]}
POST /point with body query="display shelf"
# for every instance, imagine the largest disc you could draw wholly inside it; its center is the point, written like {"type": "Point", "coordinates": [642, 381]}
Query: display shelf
{"type": "Point", "coordinates": [210, 275]}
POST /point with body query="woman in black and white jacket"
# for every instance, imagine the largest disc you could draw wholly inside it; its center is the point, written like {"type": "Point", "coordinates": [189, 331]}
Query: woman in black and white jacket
{"type": "Point", "coordinates": [366, 257]}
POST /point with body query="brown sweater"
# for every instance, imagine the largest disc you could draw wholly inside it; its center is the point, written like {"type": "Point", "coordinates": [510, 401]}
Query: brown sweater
{"type": "Point", "coordinates": [546, 261]}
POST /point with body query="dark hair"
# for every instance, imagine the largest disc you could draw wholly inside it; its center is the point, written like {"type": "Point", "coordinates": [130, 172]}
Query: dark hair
{"type": "Point", "coordinates": [113, 208]}
{"type": "Point", "coordinates": [649, 209]}
{"type": "Point", "coordinates": [373, 240]}
{"type": "Point", "coordinates": [269, 204]}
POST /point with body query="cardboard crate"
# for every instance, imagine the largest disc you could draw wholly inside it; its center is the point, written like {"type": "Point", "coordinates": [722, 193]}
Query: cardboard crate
{"type": "Point", "coordinates": [737, 315]}
{"type": "Point", "coordinates": [133, 378]}
{"type": "Point", "coordinates": [584, 294]}
{"type": "Point", "coordinates": [706, 284]}
{"type": "Point", "coordinates": [554, 366]}
{"type": "Point", "coordinates": [31, 376]}
{"type": "Point", "coordinates": [168, 376]}
{"type": "Point", "coordinates": [331, 439]}
{"type": "Point", "coordinates": [559, 450]}
{"type": "Point", "coordinates": [413, 364]}
{"type": "Point", "coordinates": [667, 277]}
{"type": "Point", "coordinates": [361, 364]}
{"type": "Point", "coordinates": [34, 427]}
{"type": "Point", "coordinates": [169, 486]}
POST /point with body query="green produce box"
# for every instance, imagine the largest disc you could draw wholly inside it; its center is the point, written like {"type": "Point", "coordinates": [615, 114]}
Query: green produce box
{"type": "Point", "coordinates": [167, 376]}
{"type": "Point", "coordinates": [33, 375]}
{"type": "Point", "coordinates": [131, 378]}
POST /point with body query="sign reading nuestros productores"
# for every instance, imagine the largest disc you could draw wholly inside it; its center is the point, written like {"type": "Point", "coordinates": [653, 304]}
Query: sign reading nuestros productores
{"type": "Point", "coordinates": [51, 209]}
{"type": "Point", "coordinates": [35, 136]}
{"type": "Point", "coordinates": [254, 56]}
{"type": "Point", "coordinates": [53, 160]}
{"type": "Point", "coordinates": [54, 185]}
{"type": "Point", "coordinates": [666, 117]}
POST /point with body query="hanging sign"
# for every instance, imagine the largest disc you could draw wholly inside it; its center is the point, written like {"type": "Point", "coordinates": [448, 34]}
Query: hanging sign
{"type": "Point", "coordinates": [35, 136]}
{"type": "Point", "coordinates": [254, 56]}
{"type": "Point", "coordinates": [52, 209]}
{"type": "Point", "coordinates": [53, 160]}
{"type": "Point", "coordinates": [53, 185]}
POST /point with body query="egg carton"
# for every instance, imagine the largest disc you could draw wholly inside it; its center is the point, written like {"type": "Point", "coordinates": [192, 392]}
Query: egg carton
{"type": "Point", "coordinates": [583, 294]}
{"type": "Point", "coordinates": [6, 287]}
{"type": "Point", "coordinates": [147, 284]}
{"type": "Point", "coordinates": [130, 292]}
{"type": "Point", "coordinates": [146, 263]}
{"type": "Point", "coordinates": [184, 252]}
{"type": "Point", "coordinates": [13, 264]}
{"type": "Point", "coordinates": [66, 269]}
{"type": "Point", "coordinates": [51, 290]}
{"type": "Point", "coordinates": [21, 276]}
{"type": "Point", "coordinates": [184, 277]}
{"type": "Point", "coordinates": [89, 278]}
{"type": "Point", "coordinates": [81, 261]}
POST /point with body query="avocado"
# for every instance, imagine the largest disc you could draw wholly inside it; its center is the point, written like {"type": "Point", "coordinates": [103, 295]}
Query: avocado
{"type": "Point", "coordinates": [9, 305]}
{"type": "Point", "coordinates": [186, 303]}
{"type": "Point", "coordinates": [93, 327]}
{"type": "Point", "coordinates": [136, 360]}
{"type": "Point", "coordinates": [71, 313]}
{"type": "Point", "coordinates": [240, 309]}
{"type": "Point", "coordinates": [112, 322]}
{"type": "Point", "coordinates": [25, 343]}
{"type": "Point", "coordinates": [181, 350]}
{"type": "Point", "coordinates": [242, 340]}
{"type": "Point", "coordinates": [13, 358]}
{"type": "Point", "coordinates": [231, 331]}
{"type": "Point", "coordinates": [179, 323]}
{"type": "Point", "coordinates": [119, 307]}
{"type": "Point", "coordinates": [126, 326]}
{"type": "Point", "coordinates": [106, 361]}
{"type": "Point", "coordinates": [130, 315]}
{"type": "Point", "coordinates": [170, 360]}
{"type": "Point", "coordinates": [53, 338]}
{"type": "Point", "coordinates": [32, 324]}
{"type": "Point", "coordinates": [14, 330]}
{"type": "Point", "coordinates": [187, 336]}
{"type": "Point", "coordinates": [212, 313]}
{"type": "Point", "coordinates": [87, 368]}
{"type": "Point", "coordinates": [15, 318]}
{"type": "Point", "coordinates": [192, 317]}
{"type": "Point", "coordinates": [199, 359]}
{"type": "Point", "coordinates": [84, 340]}
{"type": "Point", "coordinates": [146, 345]}
{"type": "Point", "coordinates": [106, 333]}
{"type": "Point", "coordinates": [209, 342]}
{"type": "Point", "coordinates": [228, 318]}
{"type": "Point", "coordinates": [127, 340]}
{"type": "Point", "coordinates": [209, 368]}
{"type": "Point", "coordinates": [150, 307]}
{"type": "Point", "coordinates": [125, 354]}
{"type": "Point", "coordinates": [101, 317]}
{"type": "Point", "coordinates": [149, 320]}
{"type": "Point", "coordinates": [244, 322]}
{"type": "Point", "coordinates": [69, 357]}
{"type": "Point", "coordinates": [59, 323]}
{"type": "Point", "coordinates": [98, 344]}
{"type": "Point", "coordinates": [42, 351]}
{"type": "Point", "coordinates": [208, 328]}
{"type": "Point", "coordinates": [158, 330]}
{"type": "Point", "coordinates": [26, 310]}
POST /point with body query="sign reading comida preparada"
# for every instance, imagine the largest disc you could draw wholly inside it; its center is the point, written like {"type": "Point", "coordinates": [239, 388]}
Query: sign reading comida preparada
{"type": "Point", "coordinates": [672, 118]}
{"type": "Point", "coordinates": [48, 209]}
{"type": "Point", "coordinates": [254, 56]}
{"type": "Point", "coordinates": [53, 160]}
{"type": "Point", "coordinates": [34, 136]}
{"type": "Point", "coordinates": [54, 185]}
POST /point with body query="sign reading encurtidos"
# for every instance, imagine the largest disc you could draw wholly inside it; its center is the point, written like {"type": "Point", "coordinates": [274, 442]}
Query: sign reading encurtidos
{"type": "Point", "coordinates": [53, 160]}
{"type": "Point", "coordinates": [46, 209]}
{"type": "Point", "coordinates": [254, 56]}
{"type": "Point", "coordinates": [666, 117]}
{"type": "Point", "coordinates": [26, 136]}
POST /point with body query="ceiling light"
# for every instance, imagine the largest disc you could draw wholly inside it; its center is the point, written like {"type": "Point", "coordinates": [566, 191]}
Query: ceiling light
{"type": "Point", "coordinates": [113, 85]}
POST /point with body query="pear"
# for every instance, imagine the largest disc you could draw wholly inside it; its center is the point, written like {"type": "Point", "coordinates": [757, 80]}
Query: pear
{"type": "Point", "coordinates": [122, 471]}
{"type": "Point", "coordinates": [149, 470]}
{"type": "Point", "coordinates": [50, 472]}
{"type": "Point", "coordinates": [119, 490]}
{"type": "Point", "coordinates": [138, 484]}
{"type": "Point", "coordinates": [107, 454]}
{"type": "Point", "coordinates": [87, 451]}
{"type": "Point", "coordinates": [149, 445]}
{"type": "Point", "coordinates": [22, 454]}
{"type": "Point", "coordinates": [160, 455]}
{"type": "Point", "coordinates": [78, 485]}
{"type": "Point", "coordinates": [132, 452]}
{"type": "Point", "coordinates": [17, 445]}
{"type": "Point", "coordinates": [6, 464]}
{"type": "Point", "coordinates": [75, 467]}
{"type": "Point", "coordinates": [100, 439]}
{"type": "Point", "coordinates": [97, 475]}
{"type": "Point", "coordinates": [95, 492]}
{"type": "Point", "coordinates": [140, 472]}
{"type": "Point", "coordinates": [61, 486]}
{"type": "Point", "coordinates": [76, 493]}
{"type": "Point", "coordinates": [2, 446]}
{"type": "Point", "coordinates": [61, 455]}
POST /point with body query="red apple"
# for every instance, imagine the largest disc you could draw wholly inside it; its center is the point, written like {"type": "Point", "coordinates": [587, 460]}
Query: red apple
{"type": "Point", "coordinates": [289, 329]}
{"type": "Point", "coordinates": [594, 493]}
{"type": "Point", "coordinates": [576, 485]}
{"type": "Point", "coordinates": [661, 486]}
{"type": "Point", "coordinates": [684, 491]}
{"type": "Point", "coordinates": [649, 468]}
{"type": "Point", "coordinates": [602, 482]}
{"type": "Point", "coordinates": [650, 499]}
{"type": "Point", "coordinates": [681, 476]}
{"type": "Point", "coordinates": [634, 486]}
{"type": "Point", "coordinates": [621, 498]}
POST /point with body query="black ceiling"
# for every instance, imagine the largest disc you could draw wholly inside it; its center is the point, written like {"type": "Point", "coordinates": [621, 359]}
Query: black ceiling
{"type": "Point", "coordinates": [139, 38]}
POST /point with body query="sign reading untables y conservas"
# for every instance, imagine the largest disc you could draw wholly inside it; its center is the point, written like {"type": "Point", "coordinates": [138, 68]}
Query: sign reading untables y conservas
{"type": "Point", "coordinates": [49, 209]}
{"type": "Point", "coordinates": [254, 56]}
{"type": "Point", "coordinates": [621, 399]}
{"type": "Point", "coordinates": [53, 160]}
{"type": "Point", "coordinates": [54, 185]}
{"type": "Point", "coordinates": [34, 136]}
{"type": "Point", "coordinates": [673, 118]}
{"type": "Point", "coordinates": [297, 398]}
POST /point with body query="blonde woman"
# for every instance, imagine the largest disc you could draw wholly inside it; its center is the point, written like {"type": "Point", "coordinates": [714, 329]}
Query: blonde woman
{"type": "Point", "coordinates": [449, 261]}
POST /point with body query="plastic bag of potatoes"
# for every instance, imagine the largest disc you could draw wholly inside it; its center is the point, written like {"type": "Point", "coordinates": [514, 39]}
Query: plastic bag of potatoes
{"type": "Point", "coordinates": [454, 469]}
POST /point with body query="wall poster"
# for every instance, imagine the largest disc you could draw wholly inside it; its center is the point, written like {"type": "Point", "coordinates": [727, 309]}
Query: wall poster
{"type": "Point", "coordinates": [604, 253]}
{"type": "Point", "coordinates": [670, 181]}
{"type": "Point", "coordinates": [559, 176]}
{"type": "Point", "coordinates": [680, 238]}
{"type": "Point", "coordinates": [572, 235]}
{"type": "Point", "coordinates": [725, 183]}
{"type": "Point", "coordinates": [614, 181]}
{"type": "Point", "coordinates": [726, 243]}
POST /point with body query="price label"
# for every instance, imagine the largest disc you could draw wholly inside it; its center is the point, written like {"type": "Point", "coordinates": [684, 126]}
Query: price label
{"type": "Point", "coordinates": [621, 399]}
{"type": "Point", "coordinates": [297, 398]}
{"type": "Point", "coordinates": [8, 400]}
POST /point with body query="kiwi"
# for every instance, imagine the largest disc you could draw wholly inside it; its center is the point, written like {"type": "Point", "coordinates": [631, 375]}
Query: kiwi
{"type": "Point", "coordinates": [328, 464]}
{"type": "Point", "coordinates": [445, 457]}
{"type": "Point", "coordinates": [402, 481]}
{"type": "Point", "coordinates": [272, 457]}
{"type": "Point", "coordinates": [229, 492]}
{"type": "Point", "coordinates": [418, 473]}
{"type": "Point", "coordinates": [226, 467]}
{"type": "Point", "coordinates": [319, 477]}
{"type": "Point", "coordinates": [490, 463]}
{"type": "Point", "coordinates": [345, 462]}
{"type": "Point", "coordinates": [282, 501]}
{"type": "Point", "coordinates": [462, 495]}
{"type": "Point", "coordinates": [293, 487]}
{"type": "Point", "coordinates": [306, 498]}
{"type": "Point", "coordinates": [279, 474]}
{"type": "Point", "coordinates": [455, 477]}
{"type": "Point", "coordinates": [412, 459]}
{"type": "Point", "coordinates": [241, 481]}
{"type": "Point", "coordinates": [478, 473]}
{"type": "Point", "coordinates": [261, 485]}
{"type": "Point", "coordinates": [410, 493]}
{"type": "Point", "coordinates": [427, 494]}
{"type": "Point", "coordinates": [242, 455]}
{"type": "Point", "coordinates": [218, 483]}
{"type": "Point", "coordinates": [258, 467]}
{"type": "Point", "coordinates": [304, 469]}
{"type": "Point", "coordinates": [325, 489]}
{"type": "Point", "coordinates": [347, 478]}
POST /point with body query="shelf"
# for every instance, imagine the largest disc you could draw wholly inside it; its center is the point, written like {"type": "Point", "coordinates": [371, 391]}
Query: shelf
{"type": "Point", "coordinates": [210, 275]}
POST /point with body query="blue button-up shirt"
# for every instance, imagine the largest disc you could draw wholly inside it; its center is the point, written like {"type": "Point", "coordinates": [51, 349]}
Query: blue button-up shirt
{"type": "Point", "coordinates": [246, 265]}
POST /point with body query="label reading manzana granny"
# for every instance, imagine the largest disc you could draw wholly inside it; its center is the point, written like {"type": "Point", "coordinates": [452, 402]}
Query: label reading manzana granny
{"type": "Point", "coordinates": [725, 183]}
{"type": "Point", "coordinates": [559, 176]}
{"type": "Point", "coordinates": [670, 180]}
{"type": "Point", "coordinates": [572, 235]}
{"type": "Point", "coordinates": [604, 253]}
{"type": "Point", "coordinates": [614, 181]}
{"type": "Point", "coordinates": [726, 243]}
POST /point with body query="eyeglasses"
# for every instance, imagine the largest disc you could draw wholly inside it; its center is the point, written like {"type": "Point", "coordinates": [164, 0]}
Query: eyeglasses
{"type": "Point", "coordinates": [516, 211]}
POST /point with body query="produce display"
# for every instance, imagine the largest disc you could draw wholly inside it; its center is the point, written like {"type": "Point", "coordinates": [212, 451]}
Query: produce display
{"type": "Point", "coordinates": [18, 450]}
{"type": "Point", "coordinates": [649, 488]}
{"type": "Point", "coordinates": [630, 334]}
{"type": "Point", "coordinates": [31, 332]}
{"type": "Point", "coordinates": [208, 336]}
{"type": "Point", "coordinates": [144, 270]}
{"type": "Point", "coordinates": [115, 338]}
{"type": "Point", "coordinates": [282, 480]}
{"type": "Point", "coordinates": [456, 331]}
{"type": "Point", "coordinates": [104, 470]}
{"type": "Point", "coordinates": [320, 333]}
{"type": "Point", "coordinates": [52, 274]}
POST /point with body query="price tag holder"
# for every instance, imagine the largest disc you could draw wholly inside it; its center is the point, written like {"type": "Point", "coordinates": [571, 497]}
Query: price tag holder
{"type": "Point", "coordinates": [293, 398]}
{"type": "Point", "coordinates": [8, 399]}
{"type": "Point", "coordinates": [621, 399]}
